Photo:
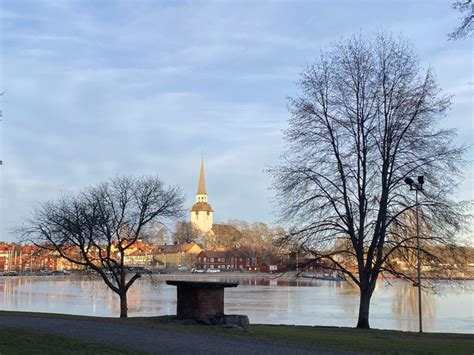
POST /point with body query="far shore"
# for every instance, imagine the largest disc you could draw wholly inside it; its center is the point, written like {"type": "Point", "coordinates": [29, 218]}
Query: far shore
{"type": "Point", "coordinates": [291, 275]}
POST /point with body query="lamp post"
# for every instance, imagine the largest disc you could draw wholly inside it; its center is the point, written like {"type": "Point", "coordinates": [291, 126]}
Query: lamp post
{"type": "Point", "coordinates": [417, 186]}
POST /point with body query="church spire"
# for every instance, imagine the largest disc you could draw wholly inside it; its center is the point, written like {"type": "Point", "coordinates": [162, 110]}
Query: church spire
{"type": "Point", "coordinates": [202, 182]}
{"type": "Point", "coordinates": [201, 212]}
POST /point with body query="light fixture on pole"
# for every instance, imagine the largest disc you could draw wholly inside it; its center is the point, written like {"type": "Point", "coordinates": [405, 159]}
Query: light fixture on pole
{"type": "Point", "coordinates": [417, 186]}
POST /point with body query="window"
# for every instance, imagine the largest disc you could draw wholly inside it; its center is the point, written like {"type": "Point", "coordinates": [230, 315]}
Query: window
{"type": "Point", "coordinates": [211, 260]}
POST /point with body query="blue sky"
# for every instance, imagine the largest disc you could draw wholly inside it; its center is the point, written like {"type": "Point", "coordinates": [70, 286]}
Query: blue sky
{"type": "Point", "coordinates": [96, 89]}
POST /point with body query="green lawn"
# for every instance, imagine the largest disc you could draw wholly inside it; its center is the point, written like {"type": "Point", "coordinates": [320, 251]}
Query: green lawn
{"type": "Point", "coordinates": [376, 341]}
{"type": "Point", "coordinates": [16, 341]}
{"type": "Point", "coordinates": [371, 340]}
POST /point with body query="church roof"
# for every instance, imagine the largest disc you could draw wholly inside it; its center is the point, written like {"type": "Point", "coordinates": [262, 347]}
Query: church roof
{"type": "Point", "coordinates": [202, 182]}
{"type": "Point", "coordinates": [201, 206]}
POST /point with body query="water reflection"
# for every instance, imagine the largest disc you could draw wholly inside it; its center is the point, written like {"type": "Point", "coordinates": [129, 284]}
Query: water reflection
{"type": "Point", "coordinates": [263, 299]}
{"type": "Point", "coordinates": [406, 303]}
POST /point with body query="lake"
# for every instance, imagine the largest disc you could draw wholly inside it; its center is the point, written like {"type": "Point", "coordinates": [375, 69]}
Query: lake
{"type": "Point", "coordinates": [263, 298]}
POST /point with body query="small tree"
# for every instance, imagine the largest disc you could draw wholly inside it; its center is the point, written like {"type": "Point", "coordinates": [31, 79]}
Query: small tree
{"type": "Point", "coordinates": [367, 119]}
{"type": "Point", "coordinates": [96, 227]}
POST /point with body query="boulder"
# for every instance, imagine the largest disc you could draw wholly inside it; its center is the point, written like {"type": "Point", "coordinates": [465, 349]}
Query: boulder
{"type": "Point", "coordinates": [232, 321]}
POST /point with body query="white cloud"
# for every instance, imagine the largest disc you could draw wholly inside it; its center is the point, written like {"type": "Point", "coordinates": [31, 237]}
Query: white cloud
{"type": "Point", "coordinates": [141, 87]}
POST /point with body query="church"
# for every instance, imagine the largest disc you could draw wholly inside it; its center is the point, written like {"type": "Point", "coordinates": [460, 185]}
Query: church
{"type": "Point", "coordinates": [216, 255]}
{"type": "Point", "coordinates": [201, 212]}
{"type": "Point", "coordinates": [213, 234]}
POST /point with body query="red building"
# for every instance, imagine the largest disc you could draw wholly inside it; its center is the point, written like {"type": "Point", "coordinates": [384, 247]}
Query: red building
{"type": "Point", "coordinates": [229, 260]}
{"type": "Point", "coordinates": [10, 257]}
{"type": "Point", "coordinates": [15, 257]}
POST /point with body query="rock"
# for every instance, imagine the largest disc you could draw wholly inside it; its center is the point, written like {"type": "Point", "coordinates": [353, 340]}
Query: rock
{"type": "Point", "coordinates": [233, 321]}
{"type": "Point", "coordinates": [233, 327]}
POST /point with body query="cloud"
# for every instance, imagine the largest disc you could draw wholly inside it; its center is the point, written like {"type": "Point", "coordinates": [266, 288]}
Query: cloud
{"type": "Point", "coordinates": [141, 87]}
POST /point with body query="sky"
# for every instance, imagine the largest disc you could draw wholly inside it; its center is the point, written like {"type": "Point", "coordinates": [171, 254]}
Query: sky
{"type": "Point", "coordinates": [97, 89]}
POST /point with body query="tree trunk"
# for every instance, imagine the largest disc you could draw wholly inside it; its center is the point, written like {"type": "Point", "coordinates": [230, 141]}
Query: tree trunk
{"type": "Point", "coordinates": [365, 296]}
{"type": "Point", "coordinates": [123, 304]}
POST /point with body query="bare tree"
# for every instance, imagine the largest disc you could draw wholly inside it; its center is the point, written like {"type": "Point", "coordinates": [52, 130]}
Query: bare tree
{"type": "Point", "coordinates": [366, 119]}
{"type": "Point", "coordinates": [229, 235]}
{"type": "Point", "coordinates": [96, 227]}
{"type": "Point", "coordinates": [254, 240]}
{"type": "Point", "coordinates": [155, 233]}
{"type": "Point", "coordinates": [186, 232]}
{"type": "Point", "coordinates": [466, 7]}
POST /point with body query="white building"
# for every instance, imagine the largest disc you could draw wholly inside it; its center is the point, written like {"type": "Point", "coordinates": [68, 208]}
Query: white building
{"type": "Point", "coordinates": [201, 212]}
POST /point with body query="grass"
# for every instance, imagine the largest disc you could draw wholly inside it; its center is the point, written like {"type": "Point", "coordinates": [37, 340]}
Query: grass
{"type": "Point", "coordinates": [374, 341]}
{"type": "Point", "coordinates": [363, 340]}
{"type": "Point", "coordinates": [19, 341]}
{"type": "Point", "coordinates": [378, 341]}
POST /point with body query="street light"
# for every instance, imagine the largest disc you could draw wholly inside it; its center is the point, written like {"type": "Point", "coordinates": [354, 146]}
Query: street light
{"type": "Point", "coordinates": [417, 186]}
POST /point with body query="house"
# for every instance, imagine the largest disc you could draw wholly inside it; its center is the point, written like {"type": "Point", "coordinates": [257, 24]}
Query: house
{"type": "Point", "coordinates": [211, 259]}
{"type": "Point", "coordinates": [229, 260]}
{"type": "Point", "coordinates": [9, 255]}
{"type": "Point", "coordinates": [138, 258]}
{"type": "Point", "coordinates": [175, 255]}
{"type": "Point", "coordinates": [244, 260]}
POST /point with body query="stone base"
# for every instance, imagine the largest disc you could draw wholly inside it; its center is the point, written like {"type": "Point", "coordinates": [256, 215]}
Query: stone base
{"type": "Point", "coordinates": [233, 321]}
{"type": "Point", "coordinates": [199, 299]}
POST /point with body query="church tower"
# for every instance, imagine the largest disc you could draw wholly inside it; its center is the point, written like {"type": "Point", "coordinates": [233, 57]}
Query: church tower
{"type": "Point", "coordinates": [201, 212]}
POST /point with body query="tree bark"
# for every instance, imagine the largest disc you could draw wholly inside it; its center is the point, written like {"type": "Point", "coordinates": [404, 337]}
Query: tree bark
{"type": "Point", "coordinates": [123, 304]}
{"type": "Point", "coordinates": [365, 296]}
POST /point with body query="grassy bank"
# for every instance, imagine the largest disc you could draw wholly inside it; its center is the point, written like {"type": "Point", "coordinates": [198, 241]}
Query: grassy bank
{"type": "Point", "coordinates": [378, 341]}
{"type": "Point", "coordinates": [18, 341]}
{"type": "Point", "coordinates": [371, 340]}
{"type": "Point", "coordinates": [375, 341]}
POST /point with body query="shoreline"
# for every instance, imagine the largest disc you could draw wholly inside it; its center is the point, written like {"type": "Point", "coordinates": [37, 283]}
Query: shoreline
{"type": "Point", "coordinates": [289, 275]}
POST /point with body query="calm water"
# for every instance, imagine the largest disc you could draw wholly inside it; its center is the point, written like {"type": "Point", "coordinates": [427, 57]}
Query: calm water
{"type": "Point", "coordinates": [264, 300]}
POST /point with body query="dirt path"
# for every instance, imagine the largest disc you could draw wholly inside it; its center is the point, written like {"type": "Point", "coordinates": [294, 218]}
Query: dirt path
{"type": "Point", "coordinates": [153, 340]}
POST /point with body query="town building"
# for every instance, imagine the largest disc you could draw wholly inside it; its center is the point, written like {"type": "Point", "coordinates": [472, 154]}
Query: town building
{"type": "Point", "coordinates": [228, 260]}
{"type": "Point", "coordinates": [177, 255]}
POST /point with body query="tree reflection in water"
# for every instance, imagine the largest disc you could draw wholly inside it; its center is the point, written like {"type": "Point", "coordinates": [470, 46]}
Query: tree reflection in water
{"type": "Point", "coordinates": [265, 299]}
{"type": "Point", "coordinates": [405, 303]}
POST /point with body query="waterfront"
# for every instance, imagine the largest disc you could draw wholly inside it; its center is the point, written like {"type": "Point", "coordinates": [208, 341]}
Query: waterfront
{"type": "Point", "coordinates": [263, 299]}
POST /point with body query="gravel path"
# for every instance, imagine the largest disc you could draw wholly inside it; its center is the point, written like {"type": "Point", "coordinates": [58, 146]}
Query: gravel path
{"type": "Point", "coordinates": [153, 340]}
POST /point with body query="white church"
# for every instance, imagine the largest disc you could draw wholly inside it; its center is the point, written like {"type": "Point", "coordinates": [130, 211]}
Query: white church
{"type": "Point", "coordinates": [201, 212]}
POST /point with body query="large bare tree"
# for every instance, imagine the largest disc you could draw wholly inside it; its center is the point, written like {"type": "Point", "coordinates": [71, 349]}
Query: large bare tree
{"type": "Point", "coordinates": [366, 119]}
{"type": "Point", "coordinates": [96, 227]}
{"type": "Point", "coordinates": [466, 7]}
